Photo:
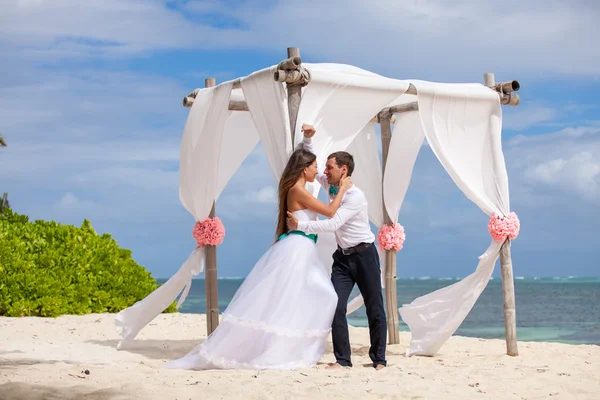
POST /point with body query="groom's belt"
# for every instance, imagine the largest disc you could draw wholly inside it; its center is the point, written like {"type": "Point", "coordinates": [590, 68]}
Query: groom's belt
{"type": "Point", "coordinates": [355, 249]}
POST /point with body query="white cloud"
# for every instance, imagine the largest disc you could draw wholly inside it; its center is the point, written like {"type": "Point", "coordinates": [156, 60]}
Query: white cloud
{"type": "Point", "coordinates": [73, 209]}
{"type": "Point", "coordinates": [579, 173]}
{"type": "Point", "coordinates": [68, 200]}
{"type": "Point", "coordinates": [87, 161]}
{"type": "Point", "coordinates": [97, 106]}
{"type": "Point", "coordinates": [264, 195]}
{"type": "Point", "coordinates": [432, 40]}
{"type": "Point", "coordinates": [526, 116]}
{"type": "Point", "coordinates": [556, 168]}
{"type": "Point", "coordinates": [67, 28]}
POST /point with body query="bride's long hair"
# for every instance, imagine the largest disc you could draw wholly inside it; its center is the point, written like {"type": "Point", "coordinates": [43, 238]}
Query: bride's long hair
{"type": "Point", "coordinates": [299, 160]}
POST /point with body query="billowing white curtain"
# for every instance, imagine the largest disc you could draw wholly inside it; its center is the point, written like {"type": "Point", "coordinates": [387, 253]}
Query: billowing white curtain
{"type": "Point", "coordinates": [208, 159]}
{"type": "Point", "coordinates": [239, 139]}
{"type": "Point", "coordinates": [462, 124]}
{"type": "Point", "coordinates": [340, 101]}
{"type": "Point", "coordinates": [267, 103]}
{"type": "Point", "coordinates": [407, 139]}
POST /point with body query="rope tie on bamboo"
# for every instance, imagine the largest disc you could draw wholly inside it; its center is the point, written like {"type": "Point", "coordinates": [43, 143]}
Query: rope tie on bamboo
{"type": "Point", "coordinates": [304, 76]}
{"type": "Point", "coordinates": [298, 76]}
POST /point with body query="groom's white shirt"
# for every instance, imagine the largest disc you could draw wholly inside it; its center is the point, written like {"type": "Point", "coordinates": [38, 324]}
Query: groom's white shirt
{"type": "Point", "coordinates": [351, 221]}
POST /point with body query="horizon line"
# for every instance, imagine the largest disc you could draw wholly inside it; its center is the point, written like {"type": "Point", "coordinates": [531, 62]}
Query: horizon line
{"type": "Point", "coordinates": [428, 277]}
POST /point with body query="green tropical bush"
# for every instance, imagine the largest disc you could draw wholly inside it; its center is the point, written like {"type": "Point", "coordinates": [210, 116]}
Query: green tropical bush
{"type": "Point", "coordinates": [48, 269]}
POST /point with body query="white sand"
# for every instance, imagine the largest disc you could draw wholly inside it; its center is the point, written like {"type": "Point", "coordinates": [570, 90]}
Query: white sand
{"type": "Point", "coordinates": [46, 359]}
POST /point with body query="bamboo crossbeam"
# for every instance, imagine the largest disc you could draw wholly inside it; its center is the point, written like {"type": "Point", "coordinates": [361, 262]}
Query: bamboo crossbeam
{"type": "Point", "coordinates": [242, 106]}
{"type": "Point", "coordinates": [290, 72]}
{"type": "Point", "coordinates": [291, 63]}
{"type": "Point", "coordinates": [238, 106]}
{"type": "Point", "coordinates": [509, 99]}
{"type": "Point", "coordinates": [506, 93]}
{"type": "Point", "coordinates": [507, 87]}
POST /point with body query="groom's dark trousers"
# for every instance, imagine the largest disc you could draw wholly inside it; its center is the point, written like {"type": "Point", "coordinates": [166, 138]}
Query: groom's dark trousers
{"type": "Point", "coordinates": [360, 265]}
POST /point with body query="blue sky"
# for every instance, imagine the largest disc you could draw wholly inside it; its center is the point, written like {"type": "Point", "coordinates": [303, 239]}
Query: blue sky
{"type": "Point", "coordinates": [90, 105]}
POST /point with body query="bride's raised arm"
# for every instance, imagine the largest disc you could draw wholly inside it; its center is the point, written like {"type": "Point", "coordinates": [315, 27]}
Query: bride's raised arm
{"type": "Point", "coordinates": [305, 198]}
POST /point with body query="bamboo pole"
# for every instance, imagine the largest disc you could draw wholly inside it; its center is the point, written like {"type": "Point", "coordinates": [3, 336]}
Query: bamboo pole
{"type": "Point", "coordinates": [508, 283]}
{"type": "Point", "coordinates": [489, 80]}
{"type": "Point", "coordinates": [294, 92]}
{"type": "Point", "coordinates": [508, 297]}
{"type": "Point", "coordinates": [210, 274]}
{"type": "Point", "coordinates": [391, 297]}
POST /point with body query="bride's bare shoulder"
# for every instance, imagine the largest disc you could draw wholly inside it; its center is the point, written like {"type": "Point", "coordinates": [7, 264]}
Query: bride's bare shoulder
{"type": "Point", "coordinates": [297, 189]}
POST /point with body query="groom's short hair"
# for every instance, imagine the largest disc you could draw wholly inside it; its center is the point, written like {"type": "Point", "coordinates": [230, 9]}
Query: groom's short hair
{"type": "Point", "coordinates": [343, 158]}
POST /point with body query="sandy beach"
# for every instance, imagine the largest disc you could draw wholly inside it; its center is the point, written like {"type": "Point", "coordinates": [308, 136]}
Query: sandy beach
{"type": "Point", "coordinates": [75, 357]}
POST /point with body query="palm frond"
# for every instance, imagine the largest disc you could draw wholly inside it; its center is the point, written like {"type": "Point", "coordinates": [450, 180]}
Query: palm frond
{"type": "Point", "coordinates": [2, 142]}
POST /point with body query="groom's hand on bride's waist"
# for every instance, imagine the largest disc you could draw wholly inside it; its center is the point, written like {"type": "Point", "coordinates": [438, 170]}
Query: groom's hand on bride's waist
{"type": "Point", "coordinates": [292, 221]}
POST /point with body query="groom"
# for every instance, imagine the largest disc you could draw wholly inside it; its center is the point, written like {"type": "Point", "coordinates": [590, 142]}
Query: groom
{"type": "Point", "coordinates": [355, 260]}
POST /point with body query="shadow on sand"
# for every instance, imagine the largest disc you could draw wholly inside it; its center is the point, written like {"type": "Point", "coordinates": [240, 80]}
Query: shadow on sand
{"type": "Point", "coordinates": [22, 362]}
{"type": "Point", "coordinates": [29, 391]}
{"type": "Point", "coordinates": [154, 349]}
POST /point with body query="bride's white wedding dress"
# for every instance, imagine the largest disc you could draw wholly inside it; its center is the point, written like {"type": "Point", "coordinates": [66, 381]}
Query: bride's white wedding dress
{"type": "Point", "coordinates": [280, 316]}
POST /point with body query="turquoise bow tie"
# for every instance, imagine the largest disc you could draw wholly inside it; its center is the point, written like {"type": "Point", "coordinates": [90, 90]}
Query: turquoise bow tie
{"type": "Point", "coordinates": [333, 190]}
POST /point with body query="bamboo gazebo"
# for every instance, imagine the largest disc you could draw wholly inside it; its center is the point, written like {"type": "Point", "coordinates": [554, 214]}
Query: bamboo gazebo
{"type": "Point", "coordinates": [461, 122]}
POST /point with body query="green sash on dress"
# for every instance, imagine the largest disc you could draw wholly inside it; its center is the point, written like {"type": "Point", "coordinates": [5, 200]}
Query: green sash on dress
{"type": "Point", "coordinates": [311, 236]}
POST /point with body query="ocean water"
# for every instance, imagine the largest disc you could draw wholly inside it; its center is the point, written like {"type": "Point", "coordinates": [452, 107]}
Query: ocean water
{"type": "Point", "coordinates": [565, 310]}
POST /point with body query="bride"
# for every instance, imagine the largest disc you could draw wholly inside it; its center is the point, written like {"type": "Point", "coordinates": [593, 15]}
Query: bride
{"type": "Point", "coordinates": [281, 315]}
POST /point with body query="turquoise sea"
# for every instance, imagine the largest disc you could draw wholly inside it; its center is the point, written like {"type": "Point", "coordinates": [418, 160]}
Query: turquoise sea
{"type": "Point", "coordinates": [563, 310]}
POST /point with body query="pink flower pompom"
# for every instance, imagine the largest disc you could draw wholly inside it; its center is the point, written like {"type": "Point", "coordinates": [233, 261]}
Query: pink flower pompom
{"type": "Point", "coordinates": [209, 232]}
{"type": "Point", "coordinates": [502, 228]}
{"type": "Point", "coordinates": [391, 237]}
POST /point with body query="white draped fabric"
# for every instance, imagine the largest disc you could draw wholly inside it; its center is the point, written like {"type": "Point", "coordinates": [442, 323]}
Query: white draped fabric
{"type": "Point", "coordinates": [340, 101]}
{"type": "Point", "coordinates": [267, 103]}
{"type": "Point", "coordinates": [210, 133]}
{"type": "Point", "coordinates": [239, 139]}
{"type": "Point", "coordinates": [462, 124]}
{"type": "Point", "coordinates": [407, 139]}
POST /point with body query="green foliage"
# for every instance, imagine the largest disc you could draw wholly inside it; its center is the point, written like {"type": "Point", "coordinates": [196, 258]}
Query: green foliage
{"type": "Point", "coordinates": [48, 269]}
